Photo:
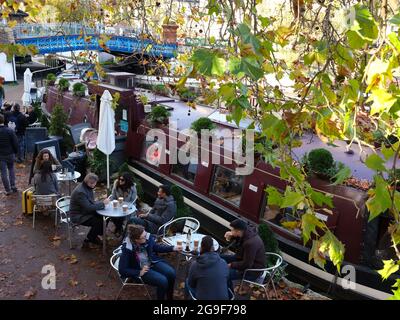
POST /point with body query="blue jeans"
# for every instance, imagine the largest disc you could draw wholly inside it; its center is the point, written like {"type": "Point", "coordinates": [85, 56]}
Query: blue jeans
{"type": "Point", "coordinates": [162, 276]}
{"type": "Point", "coordinates": [21, 147]}
{"type": "Point", "coordinates": [8, 179]}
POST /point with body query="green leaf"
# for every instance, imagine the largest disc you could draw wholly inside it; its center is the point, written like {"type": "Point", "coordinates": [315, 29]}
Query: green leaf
{"type": "Point", "coordinates": [355, 41]}
{"type": "Point", "coordinates": [246, 66]}
{"type": "Point", "coordinates": [291, 199]}
{"type": "Point", "coordinates": [387, 152]}
{"type": "Point", "coordinates": [209, 62]}
{"type": "Point", "coordinates": [394, 40]}
{"type": "Point", "coordinates": [395, 19]}
{"type": "Point", "coordinates": [247, 37]}
{"type": "Point", "coordinates": [380, 200]}
{"type": "Point", "coordinates": [315, 255]}
{"type": "Point", "coordinates": [375, 162]}
{"type": "Point", "coordinates": [364, 23]}
{"type": "Point", "coordinates": [309, 224]}
{"type": "Point", "coordinates": [382, 99]}
{"type": "Point", "coordinates": [389, 267]}
{"type": "Point", "coordinates": [333, 247]}
{"type": "Point", "coordinates": [319, 198]}
{"type": "Point", "coordinates": [275, 198]}
{"type": "Point", "coordinates": [342, 175]}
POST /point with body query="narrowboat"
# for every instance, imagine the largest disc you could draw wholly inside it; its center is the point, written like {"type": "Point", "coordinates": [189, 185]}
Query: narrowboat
{"type": "Point", "coordinates": [217, 195]}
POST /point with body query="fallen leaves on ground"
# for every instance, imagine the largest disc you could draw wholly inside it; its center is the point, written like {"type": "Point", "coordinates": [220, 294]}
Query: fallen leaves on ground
{"type": "Point", "coordinates": [30, 293]}
{"type": "Point", "coordinates": [99, 284]}
{"type": "Point", "coordinates": [73, 282]}
{"type": "Point", "coordinates": [71, 258]}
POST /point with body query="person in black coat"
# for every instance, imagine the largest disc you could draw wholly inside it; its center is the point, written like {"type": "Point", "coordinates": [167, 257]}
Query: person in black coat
{"type": "Point", "coordinates": [209, 274]}
{"type": "Point", "coordinates": [8, 149]}
{"type": "Point", "coordinates": [31, 116]}
{"type": "Point", "coordinates": [20, 127]}
{"type": "Point", "coordinates": [83, 207]}
{"type": "Point", "coordinates": [139, 259]}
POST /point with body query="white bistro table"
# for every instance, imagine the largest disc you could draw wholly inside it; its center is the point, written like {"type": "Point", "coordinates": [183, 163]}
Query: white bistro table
{"type": "Point", "coordinates": [182, 237]}
{"type": "Point", "coordinates": [69, 176]}
{"type": "Point", "coordinates": [110, 212]}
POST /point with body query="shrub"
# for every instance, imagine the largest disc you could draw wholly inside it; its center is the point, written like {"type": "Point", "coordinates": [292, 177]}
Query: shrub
{"type": "Point", "coordinates": [267, 236]}
{"type": "Point", "coordinates": [79, 89]}
{"type": "Point", "coordinates": [144, 99]}
{"type": "Point", "coordinates": [187, 94]}
{"type": "Point", "coordinates": [63, 84]}
{"type": "Point", "coordinates": [320, 160]}
{"type": "Point", "coordinates": [58, 121]}
{"type": "Point", "coordinates": [159, 114]}
{"type": "Point", "coordinates": [160, 89]}
{"type": "Point", "coordinates": [51, 78]}
{"type": "Point", "coordinates": [182, 209]}
{"type": "Point", "coordinates": [44, 122]}
{"type": "Point", "coordinates": [202, 123]}
{"type": "Point", "coordinates": [98, 164]}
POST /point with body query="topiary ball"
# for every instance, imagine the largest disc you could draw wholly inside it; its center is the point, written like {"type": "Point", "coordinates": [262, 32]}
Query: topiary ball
{"type": "Point", "coordinates": [320, 160]}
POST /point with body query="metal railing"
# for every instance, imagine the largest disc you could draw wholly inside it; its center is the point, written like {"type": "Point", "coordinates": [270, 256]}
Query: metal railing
{"type": "Point", "coordinates": [39, 76]}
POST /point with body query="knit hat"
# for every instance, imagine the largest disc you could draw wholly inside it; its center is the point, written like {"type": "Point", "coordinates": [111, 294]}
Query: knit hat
{"type": "Point", "coordinates": [239, 225]}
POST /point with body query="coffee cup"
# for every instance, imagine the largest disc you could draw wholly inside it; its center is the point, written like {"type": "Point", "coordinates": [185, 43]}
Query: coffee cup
{"type": "Point", "coordinates": [125, 208]}
{"type": "Point", "coordinates": [196, 243]}
{"type": "Point", "coordinates": [53, 167]}
{"type": "Point", "coordinates": [115, 204]}
{"type": "Point", "coordinates": [179, 243]}
{"type": "Point", "coordinates": [120, 200]}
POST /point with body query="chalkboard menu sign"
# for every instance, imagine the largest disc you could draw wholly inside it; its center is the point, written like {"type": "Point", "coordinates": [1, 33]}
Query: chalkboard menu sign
{"type": "Point", "coordinates": [33, 135]}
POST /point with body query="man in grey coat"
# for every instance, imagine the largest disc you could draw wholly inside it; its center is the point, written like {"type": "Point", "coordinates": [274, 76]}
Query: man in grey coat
{"type": "Point", "coordinates": [83, 209]}
{"type": "Point", "coordinates": [164, 210]}
{"type": "Point", "coordinates": [8, 150]}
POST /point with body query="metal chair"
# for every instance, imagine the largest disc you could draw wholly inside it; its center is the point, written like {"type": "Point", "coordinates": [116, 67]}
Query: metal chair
{"type": "Point", "coordinates": [46, 202]}
{"type": "Point", "coordinates": [114, 262]}
{"type": "Point", "coordinates": [191, 224]}
{"type": "Point", "coordinates": [230, 292]}
{"type": "Point", "coordinates": [267, 275]}
{"type": "Point", "coordinates": [62, 205]}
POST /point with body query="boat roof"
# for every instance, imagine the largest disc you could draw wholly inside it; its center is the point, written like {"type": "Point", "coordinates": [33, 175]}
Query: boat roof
{"type": "Point", "coordinates": [184, 119]}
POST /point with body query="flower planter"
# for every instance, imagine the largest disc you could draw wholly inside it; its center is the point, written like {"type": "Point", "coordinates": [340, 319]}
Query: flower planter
{"type": "Point", "coordinates": [169, 33]}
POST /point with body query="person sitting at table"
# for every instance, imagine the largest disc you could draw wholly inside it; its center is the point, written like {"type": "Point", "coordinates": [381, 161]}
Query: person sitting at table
{"type": "Point", "coordinates": [250, 253]}
{"type": "Point", "coordinates": [139, 259]}
{"type": "Point", "coordinates": [209, 274]}
{"type": "Point", "coordinates": [125, 188]}
{"type": "Point", "coordinates": [45, 181]}
{"type": "Point", "coordinates": [164, 210]}
{"type": "Point", "coordinates": [45, 155]}
{"type": "Point", "coordinates": [83, 207]}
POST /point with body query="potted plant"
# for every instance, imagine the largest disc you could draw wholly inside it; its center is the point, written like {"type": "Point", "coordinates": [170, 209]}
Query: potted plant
{"type": "Point", "coordinates": [79, 89]}
{"type": "Point", "coordinates": [160, 89]}
{"type": "Point", "coordinates": [203, 123]}
{"type": "Point", "coordinates": [187, 95]}
{"type": "Point", "coordinates": [145, 101]}
{"type": "Point", "coordinates": [98, 162]}
{"type": "Point", "coordinates": [51, 79]}
{"type": "Point", "coordinates": [169, 33]}
{"type": "Point", "coordinates": [63, 84]}
{"type": "Point", "coordinates": [58, 126]}
{"type": "Point", "coordinates": [320, 162]}
{"type": "Point", "coordinates": [159, 116]}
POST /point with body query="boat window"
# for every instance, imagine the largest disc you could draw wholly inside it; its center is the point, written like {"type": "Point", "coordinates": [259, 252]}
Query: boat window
{"type": "Point", "coordinates": [152, 152]}
{"type": "Point", "coordinates": [227, 185]}
{"type": "Point", "coordinates": [283, 217]}
{"type": "Point", "coordinates": [185, 171]}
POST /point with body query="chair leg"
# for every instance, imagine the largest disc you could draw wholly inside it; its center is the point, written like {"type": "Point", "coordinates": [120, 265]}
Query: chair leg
{"type": "Point", "coordinates": [273, 286]}
{"type": "Point", "coordinates": [33, 218]}
{"type": "Point", "coordinates": [55, 218]}
{"type": "Point", "coordinates": [266, 292]}
{"type": "Point", "coordinates": [119, 292]}
{"type": "Point", "coordinates": [69, 236]}
{"type": "Point", "coordinates": [241, 284]}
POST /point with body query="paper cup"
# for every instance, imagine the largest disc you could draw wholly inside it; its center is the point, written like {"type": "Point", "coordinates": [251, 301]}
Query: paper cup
{"type": "Point", "coordinates": [179, 243]}
{"type": "Point", "coordinates": [125, 208]}
{"type": "Point", "coordinates": [115, 204]}
{"type": "Point", "coordinates": [196, 243]}
{"type": "Point", "coordinates": [120, 200]}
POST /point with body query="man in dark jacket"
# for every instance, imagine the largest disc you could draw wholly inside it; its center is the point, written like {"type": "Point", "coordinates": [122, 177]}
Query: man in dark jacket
{"type": "Point", "coordinates": [250, 253]}
{"type": "Point", "coordinates": [209, 274]}
{"type": "Point", "coordinates": [20, 127]}
{"type": "Point", "coordinates": [164, 210]}
{"type": "Point", "coordinates": [83, 209]}
{"type": "Point", "coordinates": [8, 149]}
{"type": "Point", "coordinates": [139, 259]}
{"type": "Point", "coordinates": [6, 112]}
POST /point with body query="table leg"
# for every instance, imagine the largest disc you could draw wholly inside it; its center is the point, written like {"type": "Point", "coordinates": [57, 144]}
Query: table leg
{"type": "Point", "coordinates": [69, 187]}
{"type": "Point", "coordinates": [104, 235]}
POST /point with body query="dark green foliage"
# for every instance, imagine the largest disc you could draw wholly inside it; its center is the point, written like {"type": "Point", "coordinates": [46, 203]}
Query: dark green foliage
{"type": "Point", "coordinates": [182, 208]}
{"type": "Point", "coordinates": [202, 123]}
{"type": "Point", "coordinates": [394, 177]}
{"type": "Point", "coordinates": [187, 95]}
{"type": "Point", "coordinates": [79, 89]}
{"type": "Point", "coordinates": [51, 78]}
{"type": "Point", "coordinates": [267, 236]}
{"type": "Point", "coordinates": [159, 114]}
{"type": "Point", "coordinates": [160, 89]}
{"type": "Point", "coordinates": [98, 164]}
{"type": "Point", "coordinates": [63, 84]}
{"type": "Point", "coordinates": [58, 121]}
{"type": "Point", "coordinates": [40, 115]}
{"type": "Point", "coordinates": [320, 160]}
